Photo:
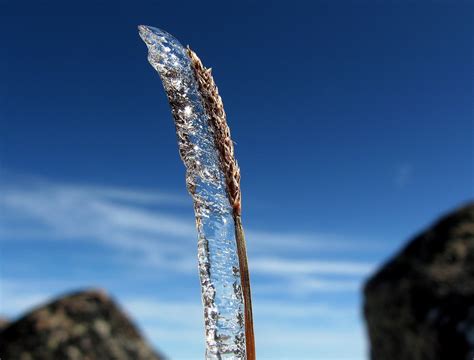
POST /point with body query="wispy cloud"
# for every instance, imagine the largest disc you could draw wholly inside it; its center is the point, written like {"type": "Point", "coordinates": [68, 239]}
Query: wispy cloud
{"type": "Point", "coordinates": [403, 175]}
{"type": "Point", "coordinates": [310, 285]}
{"type": "Point", "coordinates": [114, 217]}
{"type": "Point", "coordinates": [315, 241]}
{"type": "Point", "coordinates": [281, 266]}
{"type": "Point", "coordinates": [156, 228]}
{"type": "Point", "coordinates": [77, 211]}
{"type": "Point", "coordinates": [304, 277]}
{"type": "Point", "coordinates": [305, 286]}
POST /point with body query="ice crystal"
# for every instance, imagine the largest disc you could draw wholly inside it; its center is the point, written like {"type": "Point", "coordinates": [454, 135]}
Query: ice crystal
{"type": "Point", "coordinates": [217, 254]}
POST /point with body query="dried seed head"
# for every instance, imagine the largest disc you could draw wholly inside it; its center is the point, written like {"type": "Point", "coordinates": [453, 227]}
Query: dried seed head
{"type": "Point", "coordinates": [215, 110]}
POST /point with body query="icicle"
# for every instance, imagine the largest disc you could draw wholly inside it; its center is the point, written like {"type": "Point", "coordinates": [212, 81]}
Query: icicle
{"type": "Point", "coordinates": [212, 178]}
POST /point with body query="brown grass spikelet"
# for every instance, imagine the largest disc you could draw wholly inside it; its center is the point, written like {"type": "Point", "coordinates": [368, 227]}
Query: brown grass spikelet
{"type": "Point", "coordinates": [217, 117]}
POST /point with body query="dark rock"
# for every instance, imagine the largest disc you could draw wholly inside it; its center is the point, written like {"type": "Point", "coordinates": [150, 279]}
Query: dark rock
{"type": "Point", "coordinates": [86, 325]}
{"type": "Point", "coordinates": [3, 323]}
{"type": "Point", "coordinates": [420, 305]}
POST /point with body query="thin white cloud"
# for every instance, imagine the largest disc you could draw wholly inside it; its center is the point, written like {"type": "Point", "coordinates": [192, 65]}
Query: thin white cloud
{"type": "Point", "coordinates": [403, 175]}
{"type": "Point", "coordinates": [308, 285]}
{"type": "Point", "coordinates": [12, 182]}
{"type": "Point", "coordinates": [136, 224]}
{"type": "Point", "coordinates": [77, 210]}
{"type": "Point", "coordinates": [134, 195]}
{"type": "Point", "coordinates": [294, 241]}
{"type": "Point", "coordinates": [277, 310]}
{"type": "Point", "coordinates": [89, 213]}
{"type": "Point", "coordinates": [81, 213]}
{"type": "Point", "coordinates": [285, 266]}
{"type": "Point", "coordinates": [305, 286]}
{"type": "Point", "coordinates": [132, 219]}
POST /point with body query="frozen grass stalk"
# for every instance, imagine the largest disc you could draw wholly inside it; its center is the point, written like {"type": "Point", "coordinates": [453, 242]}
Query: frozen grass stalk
{"type": "Point", "coordinates": [213, 180]}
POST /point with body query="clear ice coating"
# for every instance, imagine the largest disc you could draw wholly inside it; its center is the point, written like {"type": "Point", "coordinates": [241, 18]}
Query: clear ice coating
{"type": "Point", "coordinates": [217, 251]}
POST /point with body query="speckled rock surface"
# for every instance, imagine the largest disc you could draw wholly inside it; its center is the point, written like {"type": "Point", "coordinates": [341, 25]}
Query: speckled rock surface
{"type": "Point", "coordinates": [420, 305]}
{"type": "Point", "coordinates": [86, 325]}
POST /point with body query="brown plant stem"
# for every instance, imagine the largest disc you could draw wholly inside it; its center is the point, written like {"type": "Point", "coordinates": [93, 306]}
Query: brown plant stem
{"type": "Point", "coordinates": [245, 280]}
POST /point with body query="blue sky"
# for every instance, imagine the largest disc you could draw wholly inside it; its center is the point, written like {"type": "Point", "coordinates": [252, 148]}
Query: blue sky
{"type": "Point", "coordinates": [353, 126]}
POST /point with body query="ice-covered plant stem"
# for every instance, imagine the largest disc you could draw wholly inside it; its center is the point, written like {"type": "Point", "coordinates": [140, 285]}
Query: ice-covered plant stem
{"type": "Point", "coordinates": [213, 180]}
